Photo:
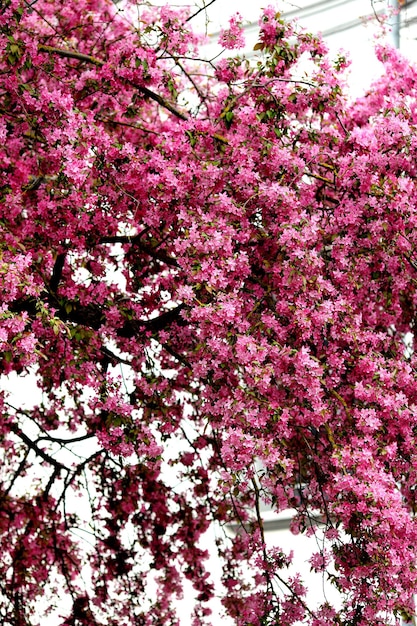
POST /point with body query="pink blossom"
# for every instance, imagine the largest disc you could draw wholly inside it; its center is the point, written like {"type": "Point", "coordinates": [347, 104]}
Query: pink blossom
{"type": "Point", "coordinates": [233, 37]}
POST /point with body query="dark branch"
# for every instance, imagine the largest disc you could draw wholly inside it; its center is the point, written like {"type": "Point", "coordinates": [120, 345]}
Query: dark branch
{"type": "Point", "coordinates": [33, 446]}
{"type": "Point", "coordinates": [77, 471]}
{"type": "Point", "coordinates": [94, 316]}
{"type": "Point", "coordinates": [135, 327]}
{"type": "Point", "coordinates": [114, 358]}
{"type": "Point", "coordinates": [160, 255]}
{"type": "Point", "coordinates": [200, 10]}
{"type": "Point", "coordinates": [16, 475]}
{"type": "Point", "coordinates": [65, 442]}
{"type": "Point", "coordinates": [162, 102]}
{"type": "Point", "coordinates": [71, 54]}
{"type": "Point", "coordinates": [111, 121]}
{"type": "Point", "coordinates": [177, 356]}
{"type": "Point", "coordinates": [57, 271]}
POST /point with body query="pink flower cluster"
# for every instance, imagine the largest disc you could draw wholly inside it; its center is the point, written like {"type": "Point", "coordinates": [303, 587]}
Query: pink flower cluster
{"type": "Point", "coordinates": [233, 37]}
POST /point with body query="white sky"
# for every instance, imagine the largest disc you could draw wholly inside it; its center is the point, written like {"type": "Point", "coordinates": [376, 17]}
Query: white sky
{"type": "Point", "coordinates": [342, 22]}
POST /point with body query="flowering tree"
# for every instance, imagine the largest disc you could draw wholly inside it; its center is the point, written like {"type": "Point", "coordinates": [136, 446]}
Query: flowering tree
{"type": "Point", "coordinates": [204, 266]}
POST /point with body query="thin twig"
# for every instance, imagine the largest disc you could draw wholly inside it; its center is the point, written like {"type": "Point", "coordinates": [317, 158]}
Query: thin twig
{"type": "Point", "coordinates": [109, 120]}
{"type": "Point", "coordinates": [199, 11]}
{"type": "Point", "coordinates": [341, 124]}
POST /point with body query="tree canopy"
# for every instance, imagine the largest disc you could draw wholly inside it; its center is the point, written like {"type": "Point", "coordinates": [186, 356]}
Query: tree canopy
{"type": "Point", "coordinates": [210, 270]}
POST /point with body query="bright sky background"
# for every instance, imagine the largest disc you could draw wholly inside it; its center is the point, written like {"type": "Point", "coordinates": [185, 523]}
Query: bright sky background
{"type": "Point", "coordinates": [343, 23]}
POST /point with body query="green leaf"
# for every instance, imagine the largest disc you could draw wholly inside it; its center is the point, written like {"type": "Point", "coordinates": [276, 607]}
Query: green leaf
{"type": "Point", "coordinates": [228, 118]}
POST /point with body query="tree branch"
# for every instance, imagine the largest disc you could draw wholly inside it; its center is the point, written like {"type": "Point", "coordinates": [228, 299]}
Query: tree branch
{"type": "Point", "coordinates": [57, 271]}
{"type": "Point", "coordinates": [33, 446]}
{"type": "Point", "coordinates": [94, 316]}
{"type": "Point", "coordinates": [86, 58]}
{"type": "Point", "coordinates": [206, 6]}
{"type": "Point", "coordinates": [160, 255]}
{"type": "Point", "coordinates": [114, 358]}
{"type": "Point", "coordinates": [134, 327]}
{"type": "Point", "coordinates": [111, 121]}
{"type": "Point", "coordinates": [65, 442]}
{"type": "Point", "coordinates": [71, 54]}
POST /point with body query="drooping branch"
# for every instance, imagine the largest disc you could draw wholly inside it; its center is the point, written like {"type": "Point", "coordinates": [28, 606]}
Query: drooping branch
{"type": "Point", "coordinates": [160, 255]}
{"type": "Point", "coordinates": [63, 441]}
{"type": "Point", "coordinates": [148, 93]}
{"type": "Point", "coordinates": [134, 327]}
{"type": "Point", "coordinates": [114, 359]}
{"type": "Point", "coordinates": [94, 315]}
{"type": "Point", "coordinates": [39, 452]}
